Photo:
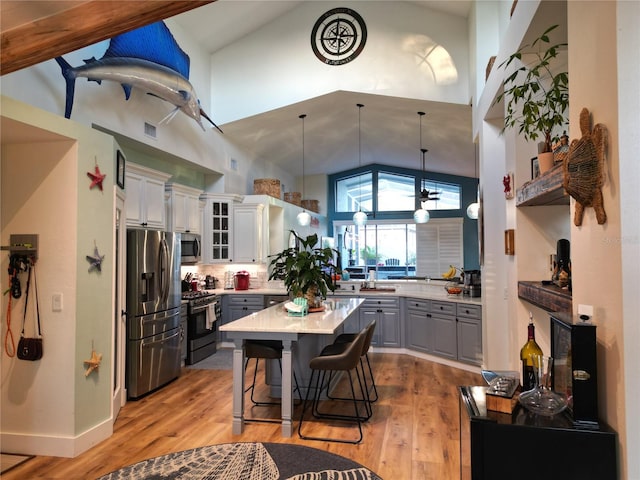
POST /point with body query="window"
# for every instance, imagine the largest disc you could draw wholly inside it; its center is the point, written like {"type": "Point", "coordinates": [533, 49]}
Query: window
{"type": "Point", "coordinates": [448, 194]}
{"type": "Point", "coordinates": [395, 192]}
{"type": "Point", "coordinates": [398, 249]}
{"type": "Point", "coordinates": [379, 190]}
{"type": "Point", "coordinates": [354, 193]}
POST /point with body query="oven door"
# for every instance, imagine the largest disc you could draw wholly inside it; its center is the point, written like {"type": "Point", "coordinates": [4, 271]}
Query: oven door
{"type": "Point", "coordinates": [202, 319]}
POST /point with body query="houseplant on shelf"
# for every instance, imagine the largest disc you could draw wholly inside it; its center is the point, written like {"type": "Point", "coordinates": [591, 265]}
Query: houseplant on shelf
{"type": "Point", "coordinates": [536, 97]}
{"type": "Point", "coordinates": [306, 269]}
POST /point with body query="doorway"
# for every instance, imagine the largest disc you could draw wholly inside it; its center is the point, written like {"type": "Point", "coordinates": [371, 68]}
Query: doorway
{"type": "Point", "coordinates": [119, 318]}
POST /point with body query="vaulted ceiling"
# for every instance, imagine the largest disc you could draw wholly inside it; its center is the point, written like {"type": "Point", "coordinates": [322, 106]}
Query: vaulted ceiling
{"type": "Point", "coordinates": [35, 31]}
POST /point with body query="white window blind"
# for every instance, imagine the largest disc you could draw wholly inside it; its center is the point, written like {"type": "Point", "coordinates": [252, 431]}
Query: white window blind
{"type": "Point", "coordinates": [438, 245]}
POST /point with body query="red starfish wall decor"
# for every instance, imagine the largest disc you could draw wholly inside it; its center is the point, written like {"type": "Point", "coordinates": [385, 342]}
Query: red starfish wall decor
{"type": "Point", "coordinates": [96, 178]}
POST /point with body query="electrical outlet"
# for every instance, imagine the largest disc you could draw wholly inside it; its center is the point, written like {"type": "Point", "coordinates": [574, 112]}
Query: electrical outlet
{"type": "Point", "coordinates": [585, 312]}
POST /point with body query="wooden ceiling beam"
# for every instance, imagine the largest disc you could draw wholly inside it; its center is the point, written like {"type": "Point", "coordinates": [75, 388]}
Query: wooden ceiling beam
{"type": "Point", "coordinates": [84, 23]}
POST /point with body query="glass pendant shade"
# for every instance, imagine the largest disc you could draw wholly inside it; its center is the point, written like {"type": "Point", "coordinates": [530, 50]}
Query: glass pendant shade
{"type": "Point", "coordinates": [421, 216]}
{"type": "Point", "coordinates": [304, 219]}
{"type": "Point", "coordinates": [472, 210]}
{"type": "Point", "coordinates": [360, 218]}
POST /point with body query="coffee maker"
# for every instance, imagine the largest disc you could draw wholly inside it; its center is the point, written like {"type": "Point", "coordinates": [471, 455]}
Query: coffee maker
{"type": "Point", "coordinates": [210, 282]}
{"type": "Point", "coordinates": [472, 283]}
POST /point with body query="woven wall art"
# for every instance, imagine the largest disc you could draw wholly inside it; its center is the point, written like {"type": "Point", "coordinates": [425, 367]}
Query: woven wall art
{"type": "Point", "coordinates": [584, 169]}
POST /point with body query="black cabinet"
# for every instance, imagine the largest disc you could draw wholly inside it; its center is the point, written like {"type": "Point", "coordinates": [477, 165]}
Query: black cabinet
{"type": "Point", "coordinates": [525, 446]}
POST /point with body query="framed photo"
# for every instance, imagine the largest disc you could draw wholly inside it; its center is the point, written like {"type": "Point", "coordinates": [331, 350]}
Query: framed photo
{"type": "Point", "coordinates": [535, 167]}
{"type": "Point", "coordinates": [120, 166]}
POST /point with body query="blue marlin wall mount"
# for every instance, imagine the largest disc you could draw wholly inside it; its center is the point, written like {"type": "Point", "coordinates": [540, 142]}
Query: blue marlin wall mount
{"type": "Point", "coordinates": [148, 58]}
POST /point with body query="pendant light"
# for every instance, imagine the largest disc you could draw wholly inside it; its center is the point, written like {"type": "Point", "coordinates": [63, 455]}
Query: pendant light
{"type": "Point", "coordinates": [359, 218]}
{"type": "Point", "coordinates": [304, 218]}
{"type": "Point", "coordinates": [421, 215]}
{"type": "Point", "coordinates": [474, 208]}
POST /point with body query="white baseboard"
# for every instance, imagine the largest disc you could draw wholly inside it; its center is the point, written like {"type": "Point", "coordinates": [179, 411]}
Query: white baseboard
{"type": "Point", "coordinates": [56, 446]}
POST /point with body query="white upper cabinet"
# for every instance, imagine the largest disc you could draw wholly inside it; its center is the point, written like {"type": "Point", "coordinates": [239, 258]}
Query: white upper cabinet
{"type": "Point", "coordinates": [145, 197]}
{"type": "Point", "coordinates": [247, 237]}
{"type": "Point", "coordinates": [184, 213]}
{"type": "Point", "coordinates": [217, 234]}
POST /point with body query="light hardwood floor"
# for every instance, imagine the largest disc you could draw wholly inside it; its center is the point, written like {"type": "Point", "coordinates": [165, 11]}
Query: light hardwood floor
{"type": "Point", "coordinates": [413, 434]}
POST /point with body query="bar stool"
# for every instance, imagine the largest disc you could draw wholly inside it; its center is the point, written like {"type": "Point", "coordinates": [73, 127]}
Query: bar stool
{"type": "Point", "coordinates": [338, 347]}
{"type": "Point", "coordinates": [349, 337]}
{"type": "Point", "coordinates": [346, 361]}
{"type": "Point", "coordinates": [267, 350]}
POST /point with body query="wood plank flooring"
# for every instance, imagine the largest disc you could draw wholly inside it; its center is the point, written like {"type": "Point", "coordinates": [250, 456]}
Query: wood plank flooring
{"type": "Point", "coordinates": [413, 434]}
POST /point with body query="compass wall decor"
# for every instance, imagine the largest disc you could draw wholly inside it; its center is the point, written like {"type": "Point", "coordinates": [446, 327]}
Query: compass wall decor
{"type": "Point", "coordinates": [338, 36]}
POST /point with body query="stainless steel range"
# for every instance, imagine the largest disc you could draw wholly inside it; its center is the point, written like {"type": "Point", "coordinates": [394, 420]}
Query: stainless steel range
{"type": "Point", "coordinates": [203, 315]}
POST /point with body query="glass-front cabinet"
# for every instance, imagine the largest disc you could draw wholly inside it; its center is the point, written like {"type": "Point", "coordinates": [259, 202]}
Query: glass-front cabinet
{"type": "Point", "coordinates": [217, 235]}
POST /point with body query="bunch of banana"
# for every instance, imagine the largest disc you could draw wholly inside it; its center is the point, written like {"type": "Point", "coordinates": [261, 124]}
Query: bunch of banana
{"type": "Point", "coordinates": [450, 273]}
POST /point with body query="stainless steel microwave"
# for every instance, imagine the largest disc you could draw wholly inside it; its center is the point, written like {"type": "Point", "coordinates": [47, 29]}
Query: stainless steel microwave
{"type": "Point", "coordinates": [191, 248]}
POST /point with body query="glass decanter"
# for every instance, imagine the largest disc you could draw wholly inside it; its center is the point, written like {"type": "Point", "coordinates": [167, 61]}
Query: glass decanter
{"type": "Point", "coordinates": [541, 399]}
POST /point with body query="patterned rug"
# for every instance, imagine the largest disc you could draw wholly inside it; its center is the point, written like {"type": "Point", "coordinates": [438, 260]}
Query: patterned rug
{"type": "Point", "coordinates": [246, 461]}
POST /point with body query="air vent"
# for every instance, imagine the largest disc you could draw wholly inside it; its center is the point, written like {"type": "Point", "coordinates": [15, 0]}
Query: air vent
{"type": "Point", "coordinates": [150, 130]}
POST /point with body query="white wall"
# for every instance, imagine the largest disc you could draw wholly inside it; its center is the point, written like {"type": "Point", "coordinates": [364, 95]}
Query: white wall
{"type": "Point", "coordinates": [276, 66]}
{"type": "Point", "coordinates": [597, 256]}
{"type": "Point", "coordinates": [105, 105]}
{"type": "Point", "coordinates": [604, 257]}
{"type": "Point", "coordinates": [49, 407]}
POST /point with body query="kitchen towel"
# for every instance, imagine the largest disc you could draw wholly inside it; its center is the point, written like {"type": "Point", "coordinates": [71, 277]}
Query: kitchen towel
{"type": "Point", "coordinates": [211, 316]}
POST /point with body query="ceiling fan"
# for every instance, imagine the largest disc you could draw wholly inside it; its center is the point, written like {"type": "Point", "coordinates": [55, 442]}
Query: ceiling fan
{"type": "Point", "coordinates": [427, 195]}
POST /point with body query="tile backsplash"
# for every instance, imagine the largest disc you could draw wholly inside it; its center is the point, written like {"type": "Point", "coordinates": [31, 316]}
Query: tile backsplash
{"type": "Point", "coordinates": [258, 273]}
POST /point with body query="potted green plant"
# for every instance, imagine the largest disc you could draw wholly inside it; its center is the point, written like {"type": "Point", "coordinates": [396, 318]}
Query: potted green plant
{"type": "Point", "coordinates": [305, 269]}
{"type": "Point", "coordinates": [536, 97]}
{"type": "Point", "coordinates": [368, 255]}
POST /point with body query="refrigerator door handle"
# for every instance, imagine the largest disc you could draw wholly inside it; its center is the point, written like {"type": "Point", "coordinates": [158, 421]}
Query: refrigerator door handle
{"type": "Point", "coordinates": [163, 270]}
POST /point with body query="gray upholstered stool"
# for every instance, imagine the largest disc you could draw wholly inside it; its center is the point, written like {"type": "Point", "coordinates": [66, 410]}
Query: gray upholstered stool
{"type": "Point", "coordinates": [347, 361]}
{"type": "Point", "coordinates": [267, 350]}
{"type": "Point", "coordinates": [346, 338]}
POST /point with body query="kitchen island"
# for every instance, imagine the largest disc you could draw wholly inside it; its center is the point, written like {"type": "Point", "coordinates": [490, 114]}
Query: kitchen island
{"type": "Point", "coordinates": [274, 323]}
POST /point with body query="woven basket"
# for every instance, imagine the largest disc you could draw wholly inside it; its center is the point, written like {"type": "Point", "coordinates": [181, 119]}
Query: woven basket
{"type": "Point", "coordinates": [293, 197]}
{"type": "Point", "coordinates": [311, 205]}
{"type": "Point", "coordinates": [267, 186]}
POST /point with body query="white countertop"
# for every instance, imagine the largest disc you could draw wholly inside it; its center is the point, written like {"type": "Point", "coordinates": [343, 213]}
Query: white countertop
{"type": "Point", "coordinates": [403, 288]}
{"type": "Point", "coordinates": [276, 319]}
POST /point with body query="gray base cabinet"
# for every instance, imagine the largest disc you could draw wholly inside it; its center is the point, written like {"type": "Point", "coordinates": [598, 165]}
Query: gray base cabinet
{"type": "Point", "coordinates": [469, 333]}
{"type": "Point", "coordinates": [443, 320]}
{"type": "Point", "coordinates": [237, 306]}
{"type": "Point", "coordinates": [448, 329]}
{"type": "Point", "coordinates": [419, 328]}
{"type": "Point", "coordinates": [386, 313]}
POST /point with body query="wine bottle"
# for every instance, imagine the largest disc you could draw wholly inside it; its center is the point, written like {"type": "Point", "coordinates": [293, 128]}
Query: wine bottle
{"type": "Point", "coordinates": [529, 380]}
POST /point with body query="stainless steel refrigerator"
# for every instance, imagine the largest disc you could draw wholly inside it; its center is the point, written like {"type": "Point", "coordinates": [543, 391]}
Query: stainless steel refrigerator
{"type": "Point", "coordinates": [153, 310]}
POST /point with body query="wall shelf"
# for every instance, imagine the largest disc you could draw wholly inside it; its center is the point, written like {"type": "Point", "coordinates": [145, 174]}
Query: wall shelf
{"type": "Point", "coordinates": [546, 189]}
{"type": "Point", "coordinates": [548, 297]}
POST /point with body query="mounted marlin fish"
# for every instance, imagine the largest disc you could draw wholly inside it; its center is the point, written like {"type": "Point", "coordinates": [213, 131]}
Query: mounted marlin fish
{"type": "Point", "coordinates": [147, 58]}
